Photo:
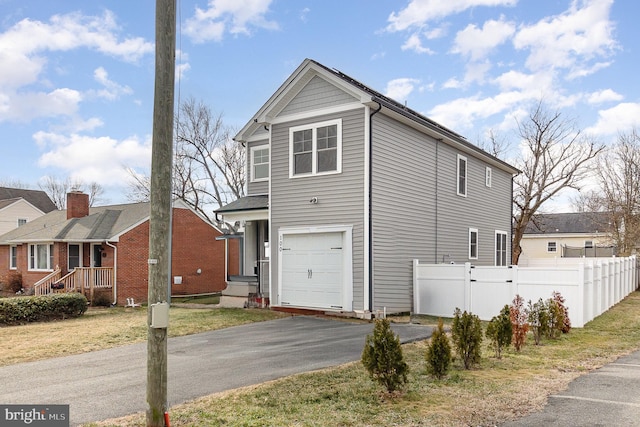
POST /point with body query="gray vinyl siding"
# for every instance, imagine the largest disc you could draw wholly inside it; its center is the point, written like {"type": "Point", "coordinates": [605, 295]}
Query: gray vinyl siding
{"type": "Point", "coordinates": [417, 213]}
{"type": "Point", "coordinates": [260, 187]}
{"type": "Point", "coordinates": [340, 196]}
{"type": "Point", "coordinates": [318, 93]}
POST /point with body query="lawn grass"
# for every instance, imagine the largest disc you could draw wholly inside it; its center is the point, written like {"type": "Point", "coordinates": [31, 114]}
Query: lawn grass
{"type": "Point", "coordinates": [101, 328]}
{"type": "Point", "coordinates": [496, 391]}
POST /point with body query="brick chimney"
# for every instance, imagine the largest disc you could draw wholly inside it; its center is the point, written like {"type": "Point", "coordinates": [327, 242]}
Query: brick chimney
{"type": "Point", "coordinates": [77, 204]}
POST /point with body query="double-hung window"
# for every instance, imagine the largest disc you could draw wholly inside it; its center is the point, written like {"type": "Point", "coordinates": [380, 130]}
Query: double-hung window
{"type": "Point", "coordinates": [41, 256]}
{"type": "Point", "coordinates": [13, 257]}
{"type": "Point", "coordinates": [315, 149]}
{"type": "Point", "coordinates": [473, 243]}
{"type": "Point", "coordinates": [462, 176]}
{"type": "Point", "coordinates": [501, 248]}
{"type": "Point", "coordinates": [260, 163]}
{"type": "Point", "coordinates": [487, 176]}
{"type": "Point", "coordinates": [22, 221]}
{"type": "Point", "coordinates": [552, 247]}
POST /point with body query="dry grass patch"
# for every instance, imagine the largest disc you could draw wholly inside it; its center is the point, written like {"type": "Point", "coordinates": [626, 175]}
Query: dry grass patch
{"type": "Point", "coordinates": [497, 391]}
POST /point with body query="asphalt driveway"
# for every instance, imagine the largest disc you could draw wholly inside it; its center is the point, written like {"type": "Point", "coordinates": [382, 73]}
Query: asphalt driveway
{"type": "Point", "coordinates": [112, 383]}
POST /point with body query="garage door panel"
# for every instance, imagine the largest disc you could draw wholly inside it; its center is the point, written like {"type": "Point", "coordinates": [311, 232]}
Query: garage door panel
{"type": "Point", "coordinates": [312, 270]}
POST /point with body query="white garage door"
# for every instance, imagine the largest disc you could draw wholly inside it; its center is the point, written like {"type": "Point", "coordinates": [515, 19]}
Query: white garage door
{"type": "Point", "coordinates": [312, 270]}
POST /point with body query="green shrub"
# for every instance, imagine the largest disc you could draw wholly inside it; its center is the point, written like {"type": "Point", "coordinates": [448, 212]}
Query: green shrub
{"type": "Point", "coordinates": [519, 322]}
{"type": "Point", "coordinates": [382, 357]}
{"type": "Point", "coordinates": [466, 333]}
{"type": "Point", "coordinates": [438, 354]}
{"type": "Point", "coordinates": [20, 310]}
{"type": "Point", "coordinates": [500, 331]}
{"type": "Point", "coordinates": [538, 315]}
{"type": "Point", "coordinates": [566, 322]}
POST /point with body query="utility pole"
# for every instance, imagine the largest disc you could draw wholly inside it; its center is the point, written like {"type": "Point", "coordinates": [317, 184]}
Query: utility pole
{"type": "Point", "coordinates": [160, 217]}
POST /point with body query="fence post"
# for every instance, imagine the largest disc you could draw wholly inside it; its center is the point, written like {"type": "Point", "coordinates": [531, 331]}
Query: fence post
{"type": "Point", "coordinates": [581, 303]}
{"type": "Point", "coordinates": [467, 287]}
{"type": "Point", "coordinates": [416, 290]}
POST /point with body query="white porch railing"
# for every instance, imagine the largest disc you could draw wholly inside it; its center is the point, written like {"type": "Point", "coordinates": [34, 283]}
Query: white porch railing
{"type": "Point", "coordinates": [79, 279]}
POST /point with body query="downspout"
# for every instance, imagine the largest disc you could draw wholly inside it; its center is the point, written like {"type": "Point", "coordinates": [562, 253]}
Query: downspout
{"type": "Point", "coordinates": [115, 272]}
{"type": "Point", "coordinates": [371, 206]}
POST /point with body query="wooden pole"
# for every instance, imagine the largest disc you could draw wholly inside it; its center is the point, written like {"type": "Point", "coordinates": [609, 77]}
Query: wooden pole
{"type": "Point", "coordinates": [159, 220]}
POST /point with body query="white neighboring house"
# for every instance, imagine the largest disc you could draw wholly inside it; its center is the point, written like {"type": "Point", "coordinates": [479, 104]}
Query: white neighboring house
{"type": "Point", "coordinates": [19, 206]}
{"type": "Point", "coordinates": [568, 235]}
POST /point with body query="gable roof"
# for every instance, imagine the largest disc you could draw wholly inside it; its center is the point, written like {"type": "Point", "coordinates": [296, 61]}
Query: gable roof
{"type": "Point", "coordinates": [102, 223]}
{"type": "Point", "coordinates": [246, 203]}
{"type": "Point", "coordinates": [570, 223]}
{"type": "Point", "coordinates": [37, 198]}
{"type": "Point", "coordinates": [367, 97]}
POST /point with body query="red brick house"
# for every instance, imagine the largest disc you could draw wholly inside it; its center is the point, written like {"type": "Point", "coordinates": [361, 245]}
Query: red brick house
{"type": "Point", "coordinates": [105, 250]}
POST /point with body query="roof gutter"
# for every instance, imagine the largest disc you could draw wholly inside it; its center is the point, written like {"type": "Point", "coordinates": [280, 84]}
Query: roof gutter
{"type": "Point", "coordinates": [370, 191]}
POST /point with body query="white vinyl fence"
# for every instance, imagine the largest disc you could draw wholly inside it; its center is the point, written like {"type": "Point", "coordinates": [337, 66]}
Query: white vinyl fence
{"type": "Point", "coordinates": [590, 286]}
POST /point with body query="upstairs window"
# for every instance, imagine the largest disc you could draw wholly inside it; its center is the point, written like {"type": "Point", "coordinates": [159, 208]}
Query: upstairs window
{"type": "Point", "coordinates": [315, 149]}
{"type": "Point", "coordinates": [487, 177]}
{"type": "Point", "coordinates": [473, 243]}
{"type": "Point", "coordinates": [552, 247]}
{"type": "Point", "coordinates": [260, 163]}
{"type": "Point", "coordinates": [462, 176]}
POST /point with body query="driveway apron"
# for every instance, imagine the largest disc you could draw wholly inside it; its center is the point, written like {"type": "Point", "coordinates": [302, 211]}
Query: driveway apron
{"type": "Point", "coordinates": [111, 383]}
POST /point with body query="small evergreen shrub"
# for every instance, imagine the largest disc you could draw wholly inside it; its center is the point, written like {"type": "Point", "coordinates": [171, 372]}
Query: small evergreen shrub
{"type": "Point", "coordinates": [466, 334]}
{"type": "Point", "coordinates": [500, 331]}
{"type": "Point", "coordinates": [382, 357]}
{"type": "Point", "coordinates": [566, 322]}
{"type": "Point", "coordinates": [438, 354]}
{"type": "Point", "coordinates": [538, 316]}
{"type": "Point", "coordinates": [19, 310]}
{"type": "Point", "coordinates": [519, 322]}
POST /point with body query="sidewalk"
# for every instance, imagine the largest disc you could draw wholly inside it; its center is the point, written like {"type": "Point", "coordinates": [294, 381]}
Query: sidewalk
{"type": "Point", "coordinates": [609, 396]}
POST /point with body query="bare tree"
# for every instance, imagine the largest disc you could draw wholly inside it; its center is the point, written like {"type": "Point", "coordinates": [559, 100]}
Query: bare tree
{"type": "Point", "coordinates": [554, 156]}
{"type": "Point", "coordinates": [57, 190]}
{"type": "Point", "coordinates": [619, 173]}
{"type": "Point", "coordinates": [209, 167]}
{"type": "Point", "coordinates": [139, 187]}
{"type": "Point", "coordinates": [14, 183]}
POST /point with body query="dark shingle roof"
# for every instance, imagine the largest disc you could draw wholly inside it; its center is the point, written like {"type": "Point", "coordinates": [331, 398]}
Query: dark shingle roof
{"type": "Point", "coordinates": [37, 198]}
{"type": "Point", "coordinates": [575, 222]}
{"type": "Point", "coordinates": [247, 203]}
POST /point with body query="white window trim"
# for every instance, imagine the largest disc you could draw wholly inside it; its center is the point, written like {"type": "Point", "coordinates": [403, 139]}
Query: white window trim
{"type": "Point", "coordinates": [556, 247]}
{"type": "Point", "coordinates": [488, 177]}
{"type": "Point", "coordinates": [252, 164]}
{"type": "Point", "coordinates": [506, 247]}
{"type": "Point", "coordinates": [471, 231]}
{"type": "Point", "coordinates": [466, 177]}
{"type": "Point", "coordinates": [80, 255]}
{"type": "Point", "coordinates": [13, 266]}
{"type": "Point", "coordinates": [314, 150]}
{"type": "Point", "coordinates": [49, 255]}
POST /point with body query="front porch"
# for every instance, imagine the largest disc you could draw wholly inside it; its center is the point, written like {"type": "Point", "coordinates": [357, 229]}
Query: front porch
{"type": "Point", "coordinates": [86, 280]}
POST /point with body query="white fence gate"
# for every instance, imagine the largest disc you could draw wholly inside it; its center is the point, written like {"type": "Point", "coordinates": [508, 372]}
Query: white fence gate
{"type": "Point", "coordinates": [590, 286]}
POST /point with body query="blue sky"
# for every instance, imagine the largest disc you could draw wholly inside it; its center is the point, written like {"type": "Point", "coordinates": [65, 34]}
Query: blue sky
{"type": "Point", "coordinates": [76, 77]}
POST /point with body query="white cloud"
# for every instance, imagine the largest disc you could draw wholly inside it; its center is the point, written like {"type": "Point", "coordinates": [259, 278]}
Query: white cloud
{"type": "Point", "coordinates": [606, 95]}
{"type": "Point", "coordinates": [476, 43]}
{"type": "Point", "coordinates": [419, 12]}
{"type": "Point", "coordinates": [400, 89]}
{"type": "Point", "coordinates": [30, 105]}
{"type": "Point", "coordinates": [569, 40]}
{"type": "Point", "coordinates": [232, 16]}
{"type": "Point", "coordinates": [620, 118]}
{"type": "Point", "coordinates": [99, 159]}
{"type": "Point", "coordinates": [111, 90]}
{"type": "Point", "coordinates": [415, 44]}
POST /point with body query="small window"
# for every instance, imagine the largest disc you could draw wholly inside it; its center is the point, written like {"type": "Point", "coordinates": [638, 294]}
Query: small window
{"type": "Point", "coordinates": [552, 247]}
{"type": "Point", "coordinates": [588, 244]}
{"type": "Point", "coordinates": [41, 257]}
{"type": "Point", "coordinates": [13, 257]}
{"type": "Point", "coordinates": [315, 149]}
{"type": "Point", "coordinates": [260, 163]}
{"type": "Point", "coordinates": [501, 248]}
{"type": "Point", "coordinates": [473, 243]}
{"type": "Point", "coordinates": [22, 221]}
{"type": "Point", "coordinates": [462, 175]}
{"type": "Point", "coordinates": [487, 177]}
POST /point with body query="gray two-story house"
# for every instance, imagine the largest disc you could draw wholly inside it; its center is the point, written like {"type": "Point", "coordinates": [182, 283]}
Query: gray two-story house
{"type": "Point", "coordinates": [345, 187]}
